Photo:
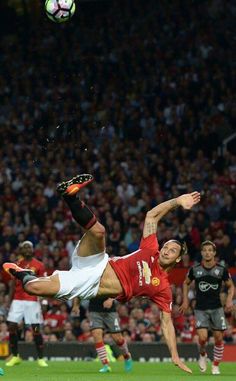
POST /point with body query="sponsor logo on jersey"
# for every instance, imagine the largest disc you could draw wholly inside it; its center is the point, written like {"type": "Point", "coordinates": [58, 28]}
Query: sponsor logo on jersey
{"type": "Point", "coordinates": [199, 272]}
{"type": "Point", "coordinates": [205, 286]}
{"type": "Point", "coordinates": [140, 274]}
{"type": "Point", "coordinates": [144, 272]}
{"type": "Point", "coordinates": [155, 281]}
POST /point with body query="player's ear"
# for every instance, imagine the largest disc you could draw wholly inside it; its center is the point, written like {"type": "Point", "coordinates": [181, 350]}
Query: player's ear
{"type": "Point", "coordinates": [178, 260]}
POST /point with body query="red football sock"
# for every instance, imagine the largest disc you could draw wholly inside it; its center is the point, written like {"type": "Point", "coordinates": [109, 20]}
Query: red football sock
{"type": "Point", "coordinates": [218, 352]}
{"type": "Point", "coordinates": [202, 347]}
{"type": "Point", "coordinates": [122, 344]}
{"type": "Point", "coordinates": [101, 352]}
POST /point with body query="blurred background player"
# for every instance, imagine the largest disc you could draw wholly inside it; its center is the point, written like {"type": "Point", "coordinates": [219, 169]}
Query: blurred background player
{"type": "Point", "coordinates": [103, 317]}
{"type": "Point", "coordinates": [209, 313]}
{"type": "Point", "coordinates": [25, 306]}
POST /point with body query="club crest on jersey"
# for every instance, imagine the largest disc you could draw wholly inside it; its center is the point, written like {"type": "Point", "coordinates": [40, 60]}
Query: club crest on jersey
{"type": "Point", "coordinates": [155, 281]}
{"type": "Point", "coordinates": [217, 271]}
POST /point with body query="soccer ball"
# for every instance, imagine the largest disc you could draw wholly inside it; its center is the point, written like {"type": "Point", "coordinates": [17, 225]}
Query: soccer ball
{"type": "Point", "coordinates": [59, 10]}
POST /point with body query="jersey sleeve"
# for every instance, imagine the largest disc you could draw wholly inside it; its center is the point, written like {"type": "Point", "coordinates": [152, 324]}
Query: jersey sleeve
{"type": "Point", "coordinates": [41, 270]}
{"type": "Point", "coordinates": [150, 243]}
{"type": "Point", "coordinates": [164, 301]}
{"type": "Point", "coordinates": [226, 275]}
{"type": "Point", "coordinates": [190, 274]}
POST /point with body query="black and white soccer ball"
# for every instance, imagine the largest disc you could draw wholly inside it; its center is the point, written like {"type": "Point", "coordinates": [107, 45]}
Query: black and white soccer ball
{"type": "Point", "coordinates": [59, 10]}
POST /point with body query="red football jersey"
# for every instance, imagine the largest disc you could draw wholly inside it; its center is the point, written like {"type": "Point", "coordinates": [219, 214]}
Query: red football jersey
{"type": "Point", "coordinates": [39, 270]}
{"type": "Point", "coordinates": [140, 274]}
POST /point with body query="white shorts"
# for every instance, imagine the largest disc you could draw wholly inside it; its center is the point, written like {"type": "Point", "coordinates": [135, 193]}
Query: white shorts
{"type": "Point", "coordinates": [83, 279]}
{"type": "Point", "coordinates": [28, 310]}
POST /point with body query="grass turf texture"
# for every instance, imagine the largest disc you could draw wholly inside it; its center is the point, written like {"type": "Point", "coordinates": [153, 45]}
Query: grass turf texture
{"type": "Point", "coordinates": [88, 371]}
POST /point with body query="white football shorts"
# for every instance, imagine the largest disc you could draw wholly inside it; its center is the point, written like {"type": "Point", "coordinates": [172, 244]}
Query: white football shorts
{"type": "Point", "coordinates": [83, 279]}
{"type": "Point", "coordinates": [28, 310]}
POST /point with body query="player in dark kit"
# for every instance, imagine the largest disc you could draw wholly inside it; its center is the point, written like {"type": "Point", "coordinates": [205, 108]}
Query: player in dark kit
{"type": "Point", "coordinates": [93, 274]}
{"type": "Point", "coordinates": [209, 313]}
{"type": "Point", "coordinates": [25, 306]}
{"type": "Point", "coordinates": [103, 317]}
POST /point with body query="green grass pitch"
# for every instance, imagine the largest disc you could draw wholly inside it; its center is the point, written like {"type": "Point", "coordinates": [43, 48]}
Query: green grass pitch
{"type": "Point", "coordinates": [88, 371]}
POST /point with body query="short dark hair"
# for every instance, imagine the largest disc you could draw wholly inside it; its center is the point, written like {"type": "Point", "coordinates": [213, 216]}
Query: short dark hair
{"type": "Point", "coordinates": [208, 243]}
{"type": "Point", "coordinates": [183, 247]}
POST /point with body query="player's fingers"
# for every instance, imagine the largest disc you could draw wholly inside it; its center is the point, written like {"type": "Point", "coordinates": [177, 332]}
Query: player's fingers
{"type": "Point", "coordinates": [182, 366]}
{"type": "Point", "coordinates": [195, 194]}
{"type": "Point", "coordinates": [196, 199]}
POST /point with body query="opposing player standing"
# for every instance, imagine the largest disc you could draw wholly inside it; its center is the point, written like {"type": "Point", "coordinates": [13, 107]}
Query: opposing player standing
{"type": "Point", "coordinates": [25, 306]}
{"type": "Point", "coordinates": [104, 318]}
{"type": "Point", "coordinates": [209, 313]}
{"type": "Point", "coordinates": [142, 273]}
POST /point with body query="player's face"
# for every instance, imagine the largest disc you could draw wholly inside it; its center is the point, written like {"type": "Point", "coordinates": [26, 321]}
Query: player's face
{"type": "Point", "coordinates": [208, 253]}
{"type": "Point", "coordinates": [169, 254]}
{"type": "Point", "coordinates": [27, 251]}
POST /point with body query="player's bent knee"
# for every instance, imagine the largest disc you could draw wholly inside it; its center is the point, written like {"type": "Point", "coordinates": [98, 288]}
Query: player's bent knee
{"type": "Point", "coordinates": [33, 288]}
{"type": "Point", "coordinates": [97, 335]}
{"type": "Point", "coordinates": [98, 230]}
{"type": "Point", "coordinates": [203, 338]}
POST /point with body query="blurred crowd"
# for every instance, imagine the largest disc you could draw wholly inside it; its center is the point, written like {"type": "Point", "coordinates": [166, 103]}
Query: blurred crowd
{"type": "Point", "coordinates": [139, 95]}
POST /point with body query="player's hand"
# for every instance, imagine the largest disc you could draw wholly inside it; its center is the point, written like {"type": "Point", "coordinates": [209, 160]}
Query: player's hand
{"type": "Point", "coordinates": [108, 303]}
{"type": "Point", "coordinates": [75, 310]}
{"type": "Point", "coordinates": [184, 307]}
{"type": "Point", "coordinates": [181, 365]}
{"type": "Point", "coordinates": [229, 306]}
{"type": "Point", "coordinates": [188, 200]}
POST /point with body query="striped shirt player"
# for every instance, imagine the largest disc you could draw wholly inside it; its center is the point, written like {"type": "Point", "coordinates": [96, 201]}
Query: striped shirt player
{"type": "Point", "coordinates": [104, 318]}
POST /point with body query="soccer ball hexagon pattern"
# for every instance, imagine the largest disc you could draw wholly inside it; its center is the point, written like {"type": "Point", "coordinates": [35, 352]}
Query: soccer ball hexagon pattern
{"type": "Point", "coordinates": [59, 10]}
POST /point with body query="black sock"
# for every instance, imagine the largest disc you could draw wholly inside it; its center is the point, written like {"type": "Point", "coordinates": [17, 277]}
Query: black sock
{"type": "Point", "coordinates": [23, 276]}
{"type": "Point", "coordinates": [13, 339]}
{"type": "Point", "coordinates": [38, 339]}
{"type": "Point", "coordinates": [80, 212]}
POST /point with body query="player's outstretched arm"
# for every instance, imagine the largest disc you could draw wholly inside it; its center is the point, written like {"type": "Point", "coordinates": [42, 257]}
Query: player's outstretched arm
{"type": "Point", "coordinates": [230, 295]}
{"type": "Point", "coordinates": [153, 216]}
{"type": "Point", "coordinates": [169, 334]}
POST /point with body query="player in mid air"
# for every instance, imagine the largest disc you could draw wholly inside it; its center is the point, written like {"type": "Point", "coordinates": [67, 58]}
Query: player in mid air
{"type": "Point", "coordinates": [93, 274]}
{"type": "Point", "coordinates": [25, 306]}
{"type": "Point", "coordinates": [209, 314]}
